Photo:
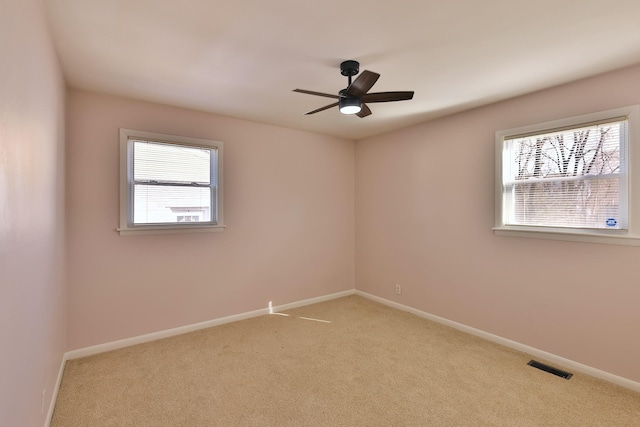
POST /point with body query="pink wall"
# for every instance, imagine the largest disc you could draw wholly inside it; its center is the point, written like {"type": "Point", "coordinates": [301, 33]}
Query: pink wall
{"type": "Point", "coordinates": [32, 282]}
{"type": "Point", "coordinates": [424, 212]}
{"type": "Point", "coordinates": [289, 211]}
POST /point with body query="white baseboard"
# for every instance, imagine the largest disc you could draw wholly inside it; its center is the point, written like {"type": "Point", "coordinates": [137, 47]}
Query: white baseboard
{"type": "Point", "coordinates": [54, 395]}
{"type": "Point", "coordinates": [127, 342]}
{"type": "Point", "coordinates": [575, 366]}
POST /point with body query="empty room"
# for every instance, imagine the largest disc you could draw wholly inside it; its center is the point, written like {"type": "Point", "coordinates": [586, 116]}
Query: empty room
{"type": "Point", "coordinates": [363, 213]}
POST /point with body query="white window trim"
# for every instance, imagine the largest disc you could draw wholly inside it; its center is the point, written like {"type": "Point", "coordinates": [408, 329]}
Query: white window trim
{"type": "Point", "coordinates": [127, 229]}
{"type": "Point", "coordinates": [631, 236]}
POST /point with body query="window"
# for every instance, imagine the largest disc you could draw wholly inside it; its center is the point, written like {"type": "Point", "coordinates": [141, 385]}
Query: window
{"type": "Point", "coordinates": [570, 179]}
{"type": "Point", "coordinates": [169, 183]}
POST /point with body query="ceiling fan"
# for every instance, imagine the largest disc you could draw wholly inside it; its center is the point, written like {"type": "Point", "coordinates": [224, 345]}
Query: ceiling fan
{"type": "Point", "coordinates": [353, 99]}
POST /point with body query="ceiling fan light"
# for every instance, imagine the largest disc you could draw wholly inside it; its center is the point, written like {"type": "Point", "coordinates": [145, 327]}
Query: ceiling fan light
{"type": "Point", "coordinates": [350, 105]}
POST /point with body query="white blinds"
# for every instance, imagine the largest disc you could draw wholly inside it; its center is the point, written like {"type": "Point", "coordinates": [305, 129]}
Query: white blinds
{"type": "Point", "coordinates": [568, 178]}
{"type": "Point", "coordinates": [154, 161]}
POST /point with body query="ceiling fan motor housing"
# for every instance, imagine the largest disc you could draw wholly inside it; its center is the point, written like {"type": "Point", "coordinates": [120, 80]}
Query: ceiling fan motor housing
{"type": "Point", "coordinates": [349, 104]}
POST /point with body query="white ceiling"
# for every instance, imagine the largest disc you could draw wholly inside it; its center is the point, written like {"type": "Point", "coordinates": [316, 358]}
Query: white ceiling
{"type": "Point", "coordinates": [242, 58]}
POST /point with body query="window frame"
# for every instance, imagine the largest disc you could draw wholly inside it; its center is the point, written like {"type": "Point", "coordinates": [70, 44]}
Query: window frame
{"type": "Point", "coordinates": [127, 136]}
{"type": "Point", "coordinates": [629, 236]}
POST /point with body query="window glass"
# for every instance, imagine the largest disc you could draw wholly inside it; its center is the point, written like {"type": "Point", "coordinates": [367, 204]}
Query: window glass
{"type": "Point", "coordinates": [569, 178]}
{"type": "Point", "coordinates": [169, 178]}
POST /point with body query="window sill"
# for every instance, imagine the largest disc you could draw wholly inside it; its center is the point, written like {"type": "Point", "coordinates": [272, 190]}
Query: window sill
{"type": "Point", "coordinates": [613, 237]}
{"type": "Point", "coordinates": [169, 229]}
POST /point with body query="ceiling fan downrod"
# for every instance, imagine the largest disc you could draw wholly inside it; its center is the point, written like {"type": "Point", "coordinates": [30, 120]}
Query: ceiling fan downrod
{"type": "Point", "coordinates": [349, 68]}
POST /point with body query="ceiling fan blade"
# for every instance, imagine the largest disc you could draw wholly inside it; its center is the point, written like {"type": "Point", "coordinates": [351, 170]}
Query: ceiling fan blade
{"type": "Point", "coordinates": [363, 83]}
{"type": "Point", "coordinates": [364, 111]}
{"type": "Point", "coordinates": [326, 107]}
{"type": "Point", "coordinates": [387, 96]}
{"type": "Point", "coordinates": [310, 92]}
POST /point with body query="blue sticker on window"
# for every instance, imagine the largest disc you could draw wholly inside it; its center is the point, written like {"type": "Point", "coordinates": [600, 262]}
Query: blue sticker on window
{"type": "Point", "coordinates": [611, 222]}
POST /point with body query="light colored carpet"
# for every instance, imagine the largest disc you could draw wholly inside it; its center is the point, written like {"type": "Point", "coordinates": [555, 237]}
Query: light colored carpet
{"type": "Point", "coordinates": [345, 362]}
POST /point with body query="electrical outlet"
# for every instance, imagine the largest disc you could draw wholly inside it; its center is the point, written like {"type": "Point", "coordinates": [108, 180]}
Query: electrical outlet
{"type": "Point", "coordinates": [398, 289]}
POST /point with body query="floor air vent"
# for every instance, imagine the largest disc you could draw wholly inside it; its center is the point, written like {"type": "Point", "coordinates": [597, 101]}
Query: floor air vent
{"type": "Point", "coordinates": [550, 369]}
